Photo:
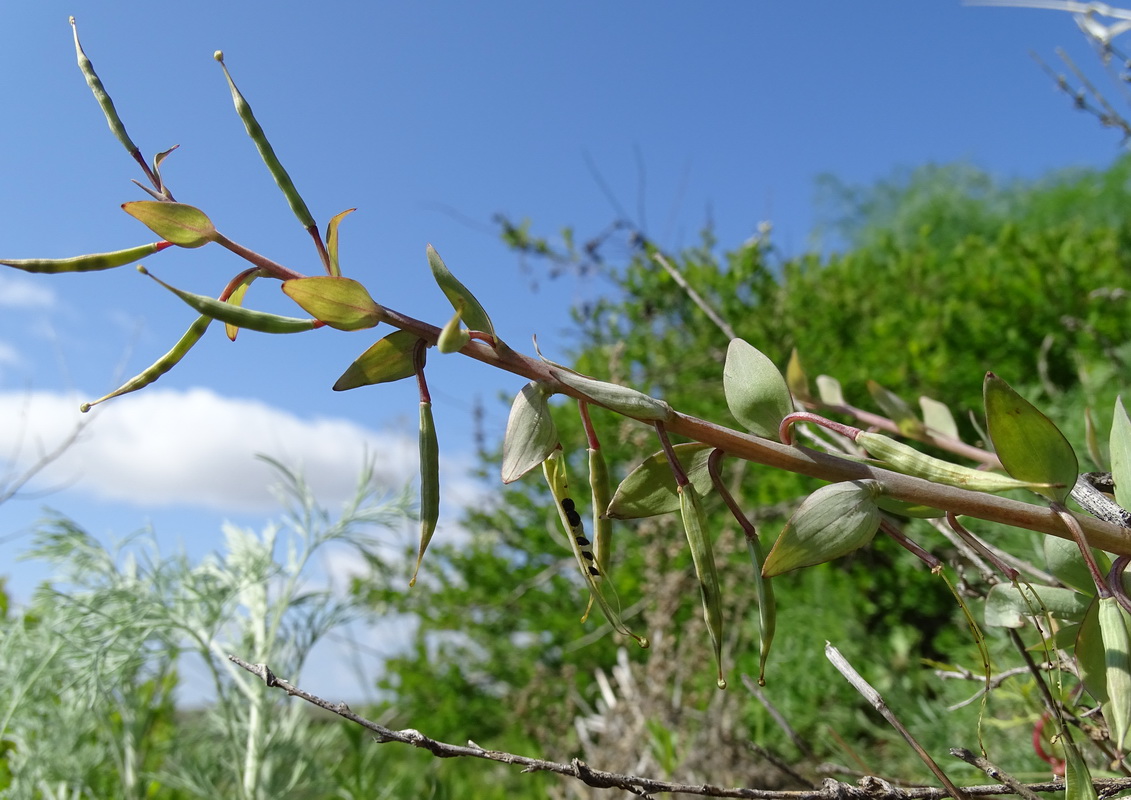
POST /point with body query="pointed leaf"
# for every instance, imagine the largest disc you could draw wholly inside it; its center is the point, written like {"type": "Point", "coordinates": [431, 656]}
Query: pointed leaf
{"type": "Point", "coordinates": [832, 522]}
{"type": "Point", "coordinates": [756, 392]}
{"type": "Point", "coordinates": [531, 435]}
{"type": "Point", "coordinates": [341, 303]}
{"type": "Point", "coordinates": [937, 417]}
{"type": "Point", "coordinates": [796, 379]}
{"type": "Point", "coordinates": [471, 311]}
{"type": "Point", "coordinates": [389, 359]}
{"type": "Point", "coordinates": [1120, 448]}
{"type": "Point", "coordinates": [622, 399]}
{"type": "Point", "coordinates": [429, 483]}
{"type": "Point", "coordinates": [897, 410]}
{"type": "Point", "coordinates": [650, 489]}
{"type": "Point", "coordinates": [828, 388]}
{"type": "Point", "coordinates": [1007, 605]}
{"type": "Point", "coordinates": [178, 223]}
{"type": "Point", "coordinates": [1029, 446]}
{"type": "Point", "coordinates": [234, 293]}
{"type": "Point", "coordinates": [332, 240]}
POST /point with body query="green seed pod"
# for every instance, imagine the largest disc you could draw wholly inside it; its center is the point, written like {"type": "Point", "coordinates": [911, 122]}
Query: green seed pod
{"type": "Point", "coordinates": [183, 225]}
{"type": "Point", "coordinates": [104, 101]}
{"type": "Point", "coordinates": [602, 495]}
{"type": "Point", "coordinates": [266, 152]}
{"type": "Point", "coordinates": [429, 483]}
{"type": "Point", "coordinates": [1117, 661]}
{"type": "Point", "coordinates": [531, 434]}
{"type": "Point", "coordinates": [87, 263]}
{"type": "Point", "coordinates": [555, 471]}
{"type": "Point", "coordinates": [237, 315]}
{"type": "Point", "coordinates": [767, 606]}
{"type": "Point", "coordinates": [903, 458]}
{"type": "Point", "coordinates": [703, 556]}
{"type": "Point", "coordinates": [161, 365]}
{"type": "Point", "coordinates": [453, 336]}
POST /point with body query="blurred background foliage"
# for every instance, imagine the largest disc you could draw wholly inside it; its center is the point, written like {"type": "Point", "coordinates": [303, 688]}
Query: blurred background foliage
{"type": "Point", "coordinates": [938, 274]}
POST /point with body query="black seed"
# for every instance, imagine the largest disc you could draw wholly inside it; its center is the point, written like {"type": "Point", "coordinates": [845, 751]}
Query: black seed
{"type": "Point", "coordinates": [574, 518]}
{"type": "Point", "coordinates": [582, 541]}
{"type": "Point", "coordinates": [567, 505]}
{"type": "Point", "coordinates": [587, 554]}
{"type": "Point", "coordinates": [593, 570]}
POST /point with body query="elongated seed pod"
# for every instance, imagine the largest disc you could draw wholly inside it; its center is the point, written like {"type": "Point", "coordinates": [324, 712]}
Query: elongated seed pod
{"type": "Point", "coordinates": [237, 315]}
{"type": "Point", "coordinates": [429, 483]}
{"type": "Point", "coordinates": [554, 470]}
{"type": "Point", "coordinates": [87, 263]}
{"type": "Point", "coordinates": [1117, 662]}
{"type": "Point", "coordinates": [908, 460]}
{"type": "Point", "coordinates": [767, 606]}
{"type": "Point", "coordinates": [100, 94]}
{"type": "Point", "coordinates": [602, 495]}
{"type": "Point", "coordinates": [161, 365]}
{"type": "Point", "coordinates": [266, 152]}
{"type": "Point", "coordinates": [703, 555]}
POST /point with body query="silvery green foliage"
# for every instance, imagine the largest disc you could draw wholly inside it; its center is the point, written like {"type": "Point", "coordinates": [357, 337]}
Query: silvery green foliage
{"type": "Point", "coordinates": [91, 666]}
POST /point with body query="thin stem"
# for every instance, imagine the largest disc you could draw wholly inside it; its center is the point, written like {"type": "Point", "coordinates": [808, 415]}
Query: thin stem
{"type": "Point", "coordinates": [877, 702]}
{"type": "Point", "coordinates": [673, 459]}
{"type": "Point", "coordinates": [1009, 572]}
{"type": "Point", "coordinates": [695, 297]}
{"type": "Point", "coordinates": [592, 442]}
{"type": "Point", "coordinates": [889, 527]}
{"type": "Point", "coordinates": [419, 352]}
{"type": "Point", "coordinates": [275, 270]}
{"type": "Point", "coordinates": [1073, 525]}
{"type": "Point", "coordinates": [320, 246]}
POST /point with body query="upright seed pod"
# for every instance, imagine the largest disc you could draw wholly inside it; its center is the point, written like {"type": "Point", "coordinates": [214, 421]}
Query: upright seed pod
{"type": "Point", "coordinates": [703, 555]}
{"type": "Point", "coordinates": [555, 471]}
{"type": "Point", "coordinates": [103, 98]}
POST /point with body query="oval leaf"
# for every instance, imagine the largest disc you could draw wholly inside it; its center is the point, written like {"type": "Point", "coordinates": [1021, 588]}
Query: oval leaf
{"type": "Point", "coordinates": [341, 303]}
{"type": "Point", "coordinates": [389, 359]}
{"type": "Point", "coordinates": [178, 223]}
{"type": "Point", "coordinates": [531, 435]}
{"type": "Point", "coordinates": [832, 522]}
{"type": "Point", "coordinates": [1007, 605]}
{"type": "Point", "coordinates": [937, 417]}
{"type": "Point", "coordinates": [756, 392]}
{"type": "Point", "coordinates": [796, 379]}
{"type": "Point", "coordinates": [897, 410]}
{"type": "Point", "coordinates": [828, 389]}
{"type": "Point", "coordinates": [650, 489]}
{"type": "Point", "coordinates": [1027, 443]}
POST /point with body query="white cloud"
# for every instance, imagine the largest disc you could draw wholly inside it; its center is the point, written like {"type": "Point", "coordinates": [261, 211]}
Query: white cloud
{"type": "Point", "coordinates": [9, 355]}
{"type": "Point", "coordinates": [22, 293]}
{"type": "Point", "coordinates": [197, 448]}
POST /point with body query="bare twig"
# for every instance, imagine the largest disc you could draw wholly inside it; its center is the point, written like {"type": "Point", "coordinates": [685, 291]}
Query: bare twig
{"type": "Point", "coordinates": [877, 702]}
{"type": "Point", "coordinates": [995, 772]}
{"type": "Point", "coordinates": [869, 788]}
{"type": "Point", "coordinates": [695, 297]}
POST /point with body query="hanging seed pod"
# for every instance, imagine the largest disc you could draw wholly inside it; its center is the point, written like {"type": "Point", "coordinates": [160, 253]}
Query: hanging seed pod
{"type": "Point", "coordinates": [703, 556]}
{"type": "Point", "coordinates": [429, 483]}
{"type": "Point", "coordinates": [1117, 668]}
{"type": "Point", "coordinates": [601, 494]}
{"type": "Point", "coordinates": [555, 471]}
{"type": "Point", "coordinates": [161, 365]}
{"type": "Point", "coordinates": [87, 263]}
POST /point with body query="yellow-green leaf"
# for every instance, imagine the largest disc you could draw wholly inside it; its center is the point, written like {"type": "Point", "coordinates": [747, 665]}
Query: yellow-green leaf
{"type": "Point", "coordinates": [178, 223]}
{"type": "Point", "coordinates": [1029, 445]}
{"type": "Point", "coordinates": [650, 489]}
{"type": "Point", "coordinates": [832, 522]}
{"type": "Point", "coordinates": [897, 410]}
{"type": "Point", "coordinates": [389, 359]}
{"type": "Point", "coordinates": [332, 241]}
{"type": "Point", "coordinates": [341, 303]}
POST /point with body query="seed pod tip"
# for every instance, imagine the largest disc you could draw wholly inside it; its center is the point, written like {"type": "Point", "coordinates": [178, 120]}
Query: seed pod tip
{"type": "Point", "coordinates": [218, 55]}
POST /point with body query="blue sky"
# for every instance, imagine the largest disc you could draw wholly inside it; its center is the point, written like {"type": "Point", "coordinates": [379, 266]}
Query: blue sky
{"type": "Point", "coordinates": [430, 118]}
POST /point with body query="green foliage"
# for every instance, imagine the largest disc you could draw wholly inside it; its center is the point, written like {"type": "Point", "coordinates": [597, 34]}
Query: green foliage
{"type": "Point", "coordinates": [93, 665]}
